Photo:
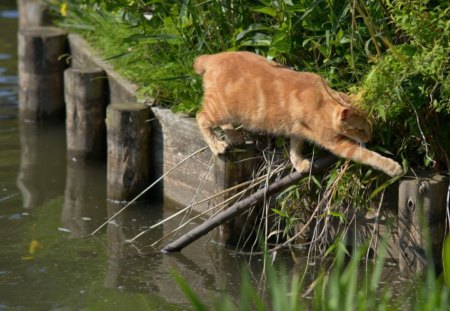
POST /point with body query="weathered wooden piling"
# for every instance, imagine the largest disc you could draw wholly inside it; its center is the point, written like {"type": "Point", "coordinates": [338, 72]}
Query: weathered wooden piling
{"type": "Point", "coordinates": [41, 67]}
{"type": "Point", "coordinates": [121, 90]}
{"type": "Point", "coordinates": [230, 169]}
{"type": "Point", "coordinates": [421, 221]}
{"type": "Point", "coordinates": [128, 162]}
{"type": "Point", "coordinates": [86, 100]}
{"type": "Point", "coordinates": [33, 13]}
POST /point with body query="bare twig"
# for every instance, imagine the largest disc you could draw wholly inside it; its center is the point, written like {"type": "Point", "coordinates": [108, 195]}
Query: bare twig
{"type": "Point", "coordinates": [251, 184]}
{"type": "Point", "coordinates": [244, 205]}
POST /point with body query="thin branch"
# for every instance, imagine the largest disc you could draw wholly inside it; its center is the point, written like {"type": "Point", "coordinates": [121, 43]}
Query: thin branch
{"type": "Point", "coordinates": [253, 183]}
{"type": "Point", "coordinates": [244, 205]}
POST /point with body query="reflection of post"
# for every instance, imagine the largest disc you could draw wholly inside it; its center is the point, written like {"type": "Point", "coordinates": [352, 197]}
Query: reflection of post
{"type": "Point", "coordinates": [84, 198]}
{"type": "Point", "coordinates": [84, 91]}
{"type": "Point", "coordinates": [42, 163]}
{"type": "Point", "coordinates": [421, 221]}
{"type": "Point", "coordinates": [41, 83]}
{"type": "Point", "coordinates": [124, 226]}
{"type": "Point", "coordinates": [128, 135]}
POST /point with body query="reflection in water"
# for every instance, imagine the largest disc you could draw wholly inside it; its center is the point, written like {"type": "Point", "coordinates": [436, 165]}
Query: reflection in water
{"type": "Point", "coordinates": [12, 14]}
{"type": "Point", "coordinates": [84, 198]}
{"type": "Point", "coordinates": [42, 163]}
{"type": "Point", "coordinates": [138, 267]}
{"type": "Point", "coordinates": [126, 225]}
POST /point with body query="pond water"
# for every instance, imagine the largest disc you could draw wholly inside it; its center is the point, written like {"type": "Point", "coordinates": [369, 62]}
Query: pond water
{"type": "Point", "coordinates": [49, 204]}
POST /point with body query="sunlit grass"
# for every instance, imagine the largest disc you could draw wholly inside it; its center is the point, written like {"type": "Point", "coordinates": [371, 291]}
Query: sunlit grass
{"type": "Point", "coordinates": [349, 284]}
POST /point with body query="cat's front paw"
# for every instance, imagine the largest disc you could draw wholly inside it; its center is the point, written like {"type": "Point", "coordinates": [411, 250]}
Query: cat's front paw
{"type": "Point", "coordinates": [394, 169]}
{"type": "Point", "coordinates": [219, 147]}
{"type": "Point", "coordinates": [301, 165]}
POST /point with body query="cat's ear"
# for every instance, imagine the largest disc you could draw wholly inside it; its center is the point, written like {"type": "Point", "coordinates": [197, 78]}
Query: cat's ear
{"type": "Point", "coordinates": [345, 113]}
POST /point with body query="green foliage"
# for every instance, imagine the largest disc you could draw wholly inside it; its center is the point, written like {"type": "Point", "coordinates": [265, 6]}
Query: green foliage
{"type": "Point", "coordinates": [347, 285]}
{"type": "Point", "coordinates": [315, 35]}
{"type": "Point", "coordinates": [190, 294]}
{"type": "Point", "coordinates": [446, 261]}
{"type": "Point", "coordinates": [409, 87]}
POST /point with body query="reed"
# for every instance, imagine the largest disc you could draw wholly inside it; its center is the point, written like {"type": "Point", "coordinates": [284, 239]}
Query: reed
{"type": "Point", "coordinates": [347, 284]}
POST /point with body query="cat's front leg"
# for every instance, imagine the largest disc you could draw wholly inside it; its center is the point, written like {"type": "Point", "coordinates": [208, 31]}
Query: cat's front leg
{"type": "Point", "coordinates": [216, 145]}
{"type": "Point", "coordinates": [349, 149]}
{"type": "Point", "coordinates": [295, 152]}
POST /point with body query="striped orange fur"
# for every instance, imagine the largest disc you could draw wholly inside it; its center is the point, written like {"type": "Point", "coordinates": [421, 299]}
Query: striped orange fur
{"type": "Point", "coordinates": [242, 88]}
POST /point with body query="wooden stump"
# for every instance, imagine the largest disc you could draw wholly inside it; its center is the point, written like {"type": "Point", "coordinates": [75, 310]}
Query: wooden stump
{"type": "Point", "coordinates": [421, 221]}
{"type": "Point", "coordinates": [232, 168]}
{"type": "Point", "coordinates": [33, 13]}
{"type": "Point", "coordinates": [128, 160]}
{"type": "Point", "coordinates": [41, 67]}
{"type": "Point", "coordinates": [85, 95]}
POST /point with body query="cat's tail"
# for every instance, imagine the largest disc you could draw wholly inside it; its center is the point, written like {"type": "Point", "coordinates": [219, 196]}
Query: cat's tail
{"type": "Point", "coordinates": [200, 64]}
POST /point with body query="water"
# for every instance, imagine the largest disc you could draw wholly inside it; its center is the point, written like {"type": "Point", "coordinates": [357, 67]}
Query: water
{"type": "Point", "coordinates": [47, 207]}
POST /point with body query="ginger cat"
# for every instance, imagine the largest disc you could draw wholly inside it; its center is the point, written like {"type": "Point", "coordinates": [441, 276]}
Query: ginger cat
{"type": "Point", "coordinates": [247, 89]}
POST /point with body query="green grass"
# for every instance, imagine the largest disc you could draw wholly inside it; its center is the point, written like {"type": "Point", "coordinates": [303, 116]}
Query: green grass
{"type": "Point", "coordinates": [349, 284]}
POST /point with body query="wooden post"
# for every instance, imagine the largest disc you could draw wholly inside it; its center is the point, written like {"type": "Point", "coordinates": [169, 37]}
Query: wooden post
{"type": "Point", "coordinates": [230, 169]}
{"type": "Point", "coordinates": [85, 95]}
{"type": "Point", "coordinates": [128, 160]}
{"type": "Point", "coordinates": [421, 221]}
{"type": "Point", "coordinates": [41, 67]}
{"type": "Point", "coordinates": [33, 13]}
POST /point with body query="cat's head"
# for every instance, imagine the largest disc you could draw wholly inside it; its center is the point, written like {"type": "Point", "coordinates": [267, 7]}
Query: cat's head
{"type": "Point", "coordinates": [354, 124]}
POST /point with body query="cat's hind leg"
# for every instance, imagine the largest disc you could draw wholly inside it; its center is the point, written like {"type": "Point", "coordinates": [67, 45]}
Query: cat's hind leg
{"type": "Point", "coordinates": [295, 152]}
{"type": "Point", "coordinates": [231, 135]}
{"type": "Point", "coordinates": [206, 126]}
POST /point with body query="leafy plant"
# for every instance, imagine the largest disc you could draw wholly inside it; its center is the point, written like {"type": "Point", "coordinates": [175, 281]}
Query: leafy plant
{"type": "Point", "coordinates": [346, 285]}
{"type": "Point", "coordinates": [409, 87]}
